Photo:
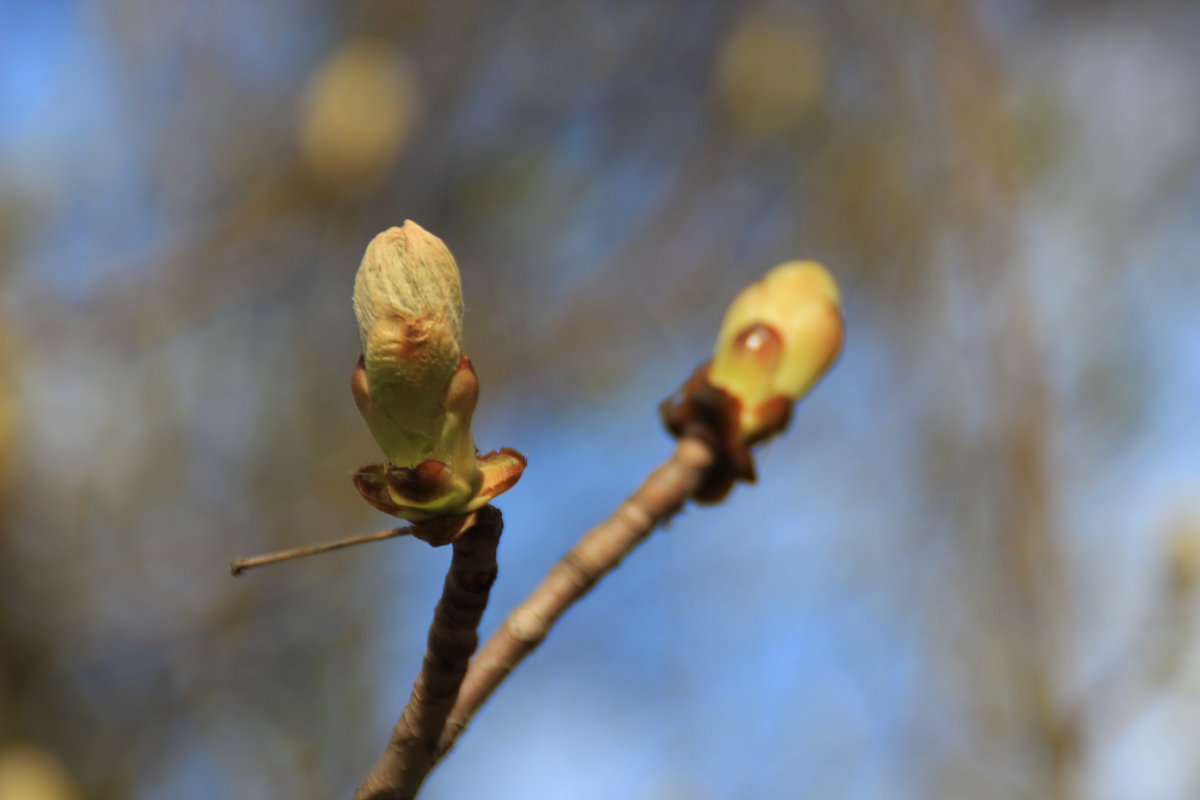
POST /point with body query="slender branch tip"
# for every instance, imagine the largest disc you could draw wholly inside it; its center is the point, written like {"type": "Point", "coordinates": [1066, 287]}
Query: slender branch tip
{"type": "Point", "coordinates": [240, 565]}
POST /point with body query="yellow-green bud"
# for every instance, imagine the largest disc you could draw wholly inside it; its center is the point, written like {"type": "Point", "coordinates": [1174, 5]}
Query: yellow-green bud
{"type": "Point", "coordinates": [780, 335]}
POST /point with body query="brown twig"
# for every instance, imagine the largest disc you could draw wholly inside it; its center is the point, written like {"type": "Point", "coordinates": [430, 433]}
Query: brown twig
{"type": "Point", "coordinates": [601, 549]}
{"type": "Point", "coordinates": [240, 565]}
{"type": "Point", "coordinates": [453, 636]}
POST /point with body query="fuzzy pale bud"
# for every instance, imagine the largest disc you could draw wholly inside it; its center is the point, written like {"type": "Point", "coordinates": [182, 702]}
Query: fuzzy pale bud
{"type": "Point", "coordinates": [408, 301]}
{"type": "Point", "coordinates": [415, 388]}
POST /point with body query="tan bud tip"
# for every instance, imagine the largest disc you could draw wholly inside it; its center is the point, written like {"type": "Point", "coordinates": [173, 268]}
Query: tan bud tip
{"type": "Point", "coordinates": [408, 274]}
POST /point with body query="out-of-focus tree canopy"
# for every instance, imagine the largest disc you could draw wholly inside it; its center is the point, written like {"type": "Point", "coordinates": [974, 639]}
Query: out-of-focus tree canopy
{"type": "Point", "coordinates": [968, 571]}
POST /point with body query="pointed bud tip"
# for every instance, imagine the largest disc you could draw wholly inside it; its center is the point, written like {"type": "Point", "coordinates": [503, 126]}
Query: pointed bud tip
{"type": "Point", "coordinates": [804, 278]}
{"type": "Point", "coordinates": [407, 272]}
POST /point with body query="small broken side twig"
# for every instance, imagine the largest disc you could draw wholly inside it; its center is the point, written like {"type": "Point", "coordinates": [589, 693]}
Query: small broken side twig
{"type": "Point", "coordinates": [598, 552]}
{"type": "Point", "coordinates": [453, 635]}
{"type": "Point", "coordinates": [240, 565]}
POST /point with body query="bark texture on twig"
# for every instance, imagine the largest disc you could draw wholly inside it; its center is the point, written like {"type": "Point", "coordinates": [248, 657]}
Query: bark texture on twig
{"type": "Point", "coordinates": [601, 549]}
{"type": "Point", "coordinates": [453, 636]}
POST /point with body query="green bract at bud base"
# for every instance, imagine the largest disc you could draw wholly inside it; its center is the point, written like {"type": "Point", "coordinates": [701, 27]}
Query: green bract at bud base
{"type": "Point", "coordinates": [415, 388]}
{"type": "Point", "coordinates": [779, 336]}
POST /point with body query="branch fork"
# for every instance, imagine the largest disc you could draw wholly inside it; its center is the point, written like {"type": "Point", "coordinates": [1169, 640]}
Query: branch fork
{"type": "Point", "coordinates": [417, 393]}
